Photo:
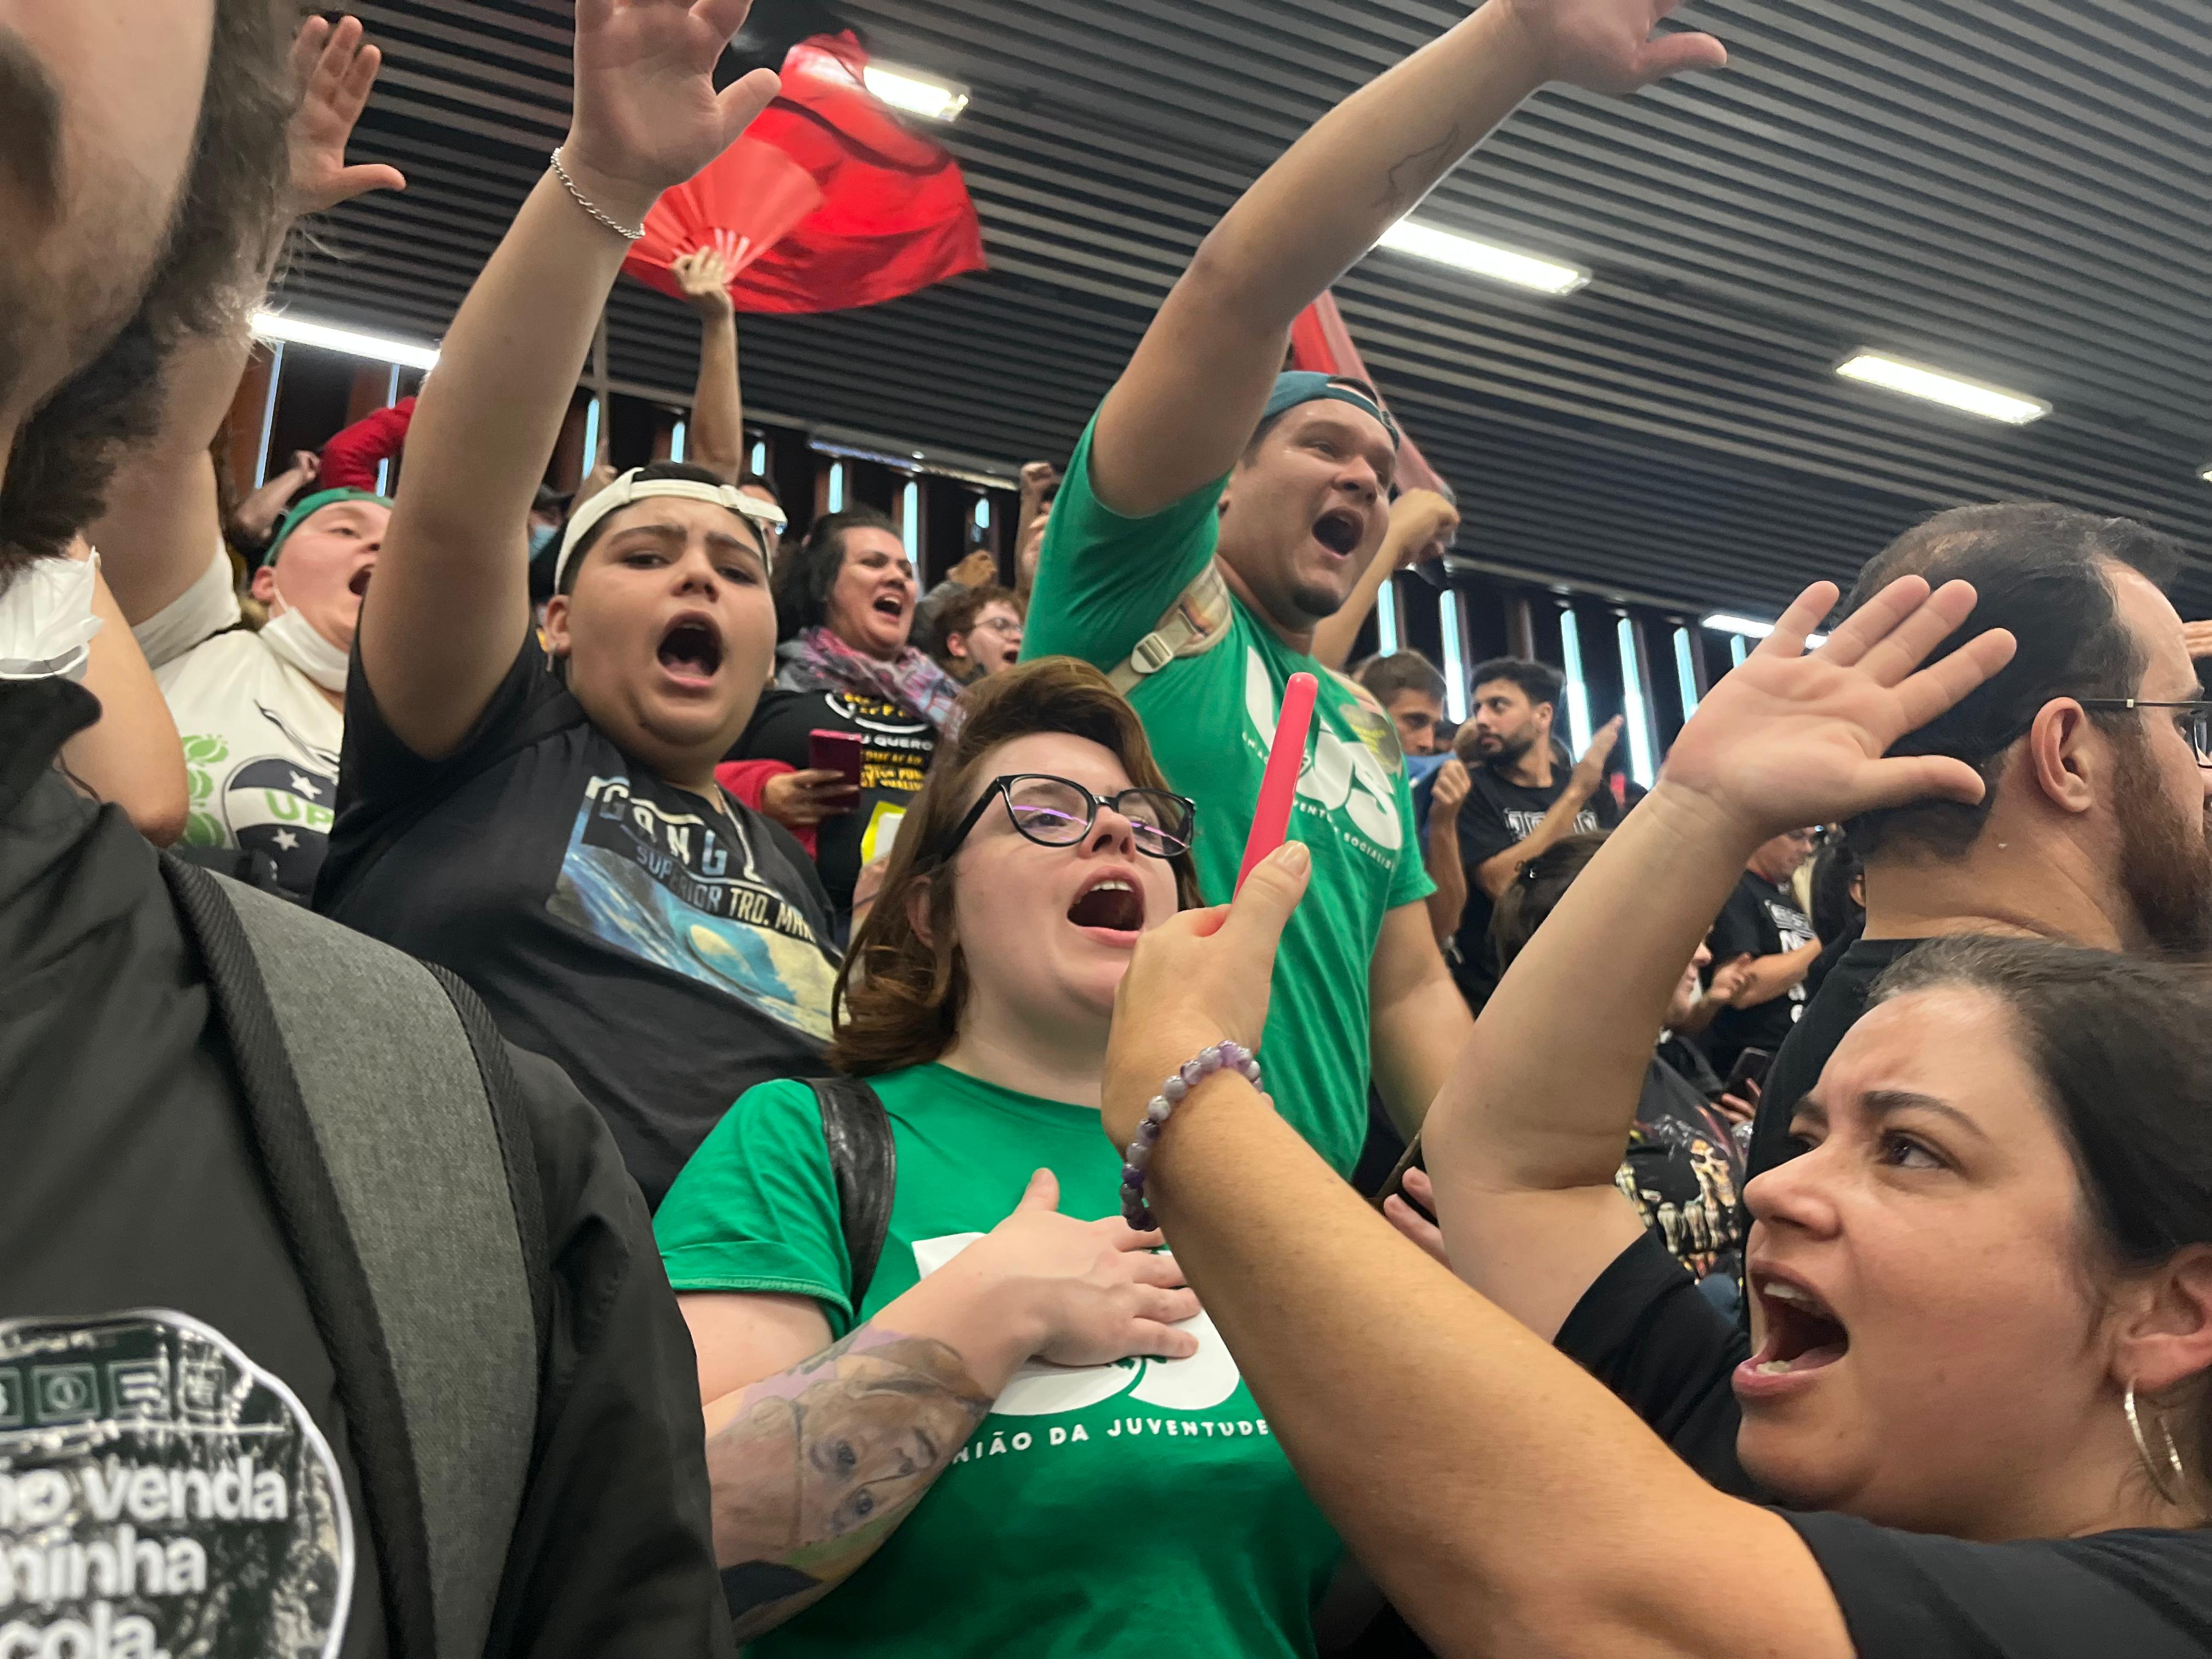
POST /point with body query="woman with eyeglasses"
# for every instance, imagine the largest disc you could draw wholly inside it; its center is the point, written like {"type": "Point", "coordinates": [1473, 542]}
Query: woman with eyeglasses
{"type": "Point", "coordinates": [971, 1441]}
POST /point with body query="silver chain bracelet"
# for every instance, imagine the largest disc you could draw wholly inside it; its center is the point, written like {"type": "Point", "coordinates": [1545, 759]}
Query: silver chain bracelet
{"type": "Point", "coordinates": [584, 202]}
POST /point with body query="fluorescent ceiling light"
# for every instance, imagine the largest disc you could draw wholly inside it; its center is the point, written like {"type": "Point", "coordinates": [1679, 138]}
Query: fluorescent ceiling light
{"type": "Point", "coordinates": [1968, 396]}
{"type": "Point", "coordinates": [271, 325]}
{"type": "Point", "coordinates": [2206, 474]}
{"type": "Point", "coordinates": [915, 93]}
{"type": "Point", "coordinates": [1751, 628]}
{"type": "Point", "coordinates": [1500, 264]}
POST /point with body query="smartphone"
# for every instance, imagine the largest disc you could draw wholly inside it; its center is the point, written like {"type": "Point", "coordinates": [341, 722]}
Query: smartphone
{"type": "Point", "coordinates": [837, 751]}
{"type": "Point", "coordinates": [1750, 1067]}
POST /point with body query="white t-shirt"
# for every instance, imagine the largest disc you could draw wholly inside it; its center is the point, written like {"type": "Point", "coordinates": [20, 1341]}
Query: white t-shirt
{"type": "Point", "coordinates": [261, 740]}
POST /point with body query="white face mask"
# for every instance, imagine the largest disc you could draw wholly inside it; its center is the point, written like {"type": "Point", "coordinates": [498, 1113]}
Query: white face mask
{"type": "Point", "coordinates": [47, 622]}
{"type": "Point", "coordinates": [294, 638]}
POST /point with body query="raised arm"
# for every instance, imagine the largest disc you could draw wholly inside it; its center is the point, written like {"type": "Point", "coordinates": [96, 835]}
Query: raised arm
{"type": "Point", "coordinates": [451, 603]}
{"type": "Point", "coordinates": [1421, 526]}
{"type": "Point", "coordinates": [130, 755]}
{"type": "Point", "coordinates": [1495, 873]}
{"type": "Point", "coordinates": [1188, 403]}
{"type": "Point", "coordinates": [717, 433]}
{"type": "Point", "coordinates": [1524, 1139]}
{"type": "Point", "coordinates": [1440, 849]}
{"type": "Point", "coordinates": [804, 1489]}
{"type": "Point", "coordinates": [162, 518]}
{"type": "Point", "coordinates": [1545, 1517]}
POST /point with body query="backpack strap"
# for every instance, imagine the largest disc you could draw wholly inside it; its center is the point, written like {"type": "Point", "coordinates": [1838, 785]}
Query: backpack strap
{"type": "Point", "coordinates": [1193, 625]}
{"type": "Point", "coordinates": [863, 1162]}
{"type": "Point", "coordinates": [391, 1127]}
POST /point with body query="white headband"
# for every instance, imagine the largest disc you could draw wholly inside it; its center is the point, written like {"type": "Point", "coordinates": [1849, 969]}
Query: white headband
{"type": "Point", "coordinates": [631, 488]}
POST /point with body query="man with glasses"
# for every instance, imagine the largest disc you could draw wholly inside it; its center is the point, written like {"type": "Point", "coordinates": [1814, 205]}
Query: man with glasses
{"type": "Point", "coordinates": [2094, 745]}
{"type": "Point", "coordinates": [1763, 931]}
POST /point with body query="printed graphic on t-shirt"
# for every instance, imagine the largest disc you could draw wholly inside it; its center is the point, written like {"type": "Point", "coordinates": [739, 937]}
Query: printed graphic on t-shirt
{"type": "Point", "coordinates": [263, 798]}
{"type": "Point", "coordinates": [1345, 780]}
{"type": "Point", "coordinates": [1700, 1231]}
{"type": "Point", "coordinates": [1523, 825]}
{"type": "Point", "coordinates": [681, 889]}
{"type": "Point", "coordinates": [1796, 930]}
{"type": "Point", "coordinates": [897, 743]}
{"type": "Point", "coordinates": [162, 1496]}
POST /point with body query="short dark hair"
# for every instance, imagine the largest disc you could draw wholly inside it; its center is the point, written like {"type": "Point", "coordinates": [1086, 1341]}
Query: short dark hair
{"type": "Point", "coordinates": [1835, 868]}
{"type": "Point", "coordinates": [2043, 571]}
{"type": "Point", "coordinates": [750, 480]}
{"type": "Point", "coordinates": [227, 214]}
{"type": "Point", "coordinates": [2123, 1046]}
{"type": "Point", "coordinates": [655, 472]}
{"type": "Point", "coordinates": [1401, 671]}
{"type": "Point", "coordinates": [810, 570]}
{"type": "Point", "coordinates": [1536, 890]}
{"type": "Point", "coordinates": [956, 611]}
{"type": "Point", "coordinates": [1539, 681]}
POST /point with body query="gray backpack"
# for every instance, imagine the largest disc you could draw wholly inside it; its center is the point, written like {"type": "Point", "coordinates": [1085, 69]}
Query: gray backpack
{"type": "Point", "coordinates": [390, 1123]}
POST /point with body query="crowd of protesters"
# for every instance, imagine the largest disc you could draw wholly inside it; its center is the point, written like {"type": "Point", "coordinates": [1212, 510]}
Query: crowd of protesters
{"type": "Point", "coordinates": [675, 1088]}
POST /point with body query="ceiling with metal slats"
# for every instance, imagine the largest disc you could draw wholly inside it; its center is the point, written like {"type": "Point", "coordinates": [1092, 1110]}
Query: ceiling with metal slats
{"type": "Point", "coordinates": [2019, 192]}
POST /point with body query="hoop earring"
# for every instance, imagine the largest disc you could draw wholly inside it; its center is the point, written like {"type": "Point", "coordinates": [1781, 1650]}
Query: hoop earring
{"type": "Point", "coordinates": [2158, 1476]}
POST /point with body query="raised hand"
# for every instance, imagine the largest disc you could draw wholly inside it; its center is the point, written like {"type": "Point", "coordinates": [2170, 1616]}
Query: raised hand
{"type": "Point", "coordinates": [334, 71]}
{"type": "Point", "coordinates": [647, 114]}
{"type": "Point", "coordinates": [1789, 738]}
{"type": "Point", "coordinates": [1607, 45]}
{"type": "Point", "coordinates": [704, 276]}
{"type": "Point", "coordinates": [1449, 792]}
{"type": "Point", "coordinates": [1589, 770]}
{"type": "Point", "coordinates": [1422, 524]}
{"type": "Point", "coordinates": [1197, 978]}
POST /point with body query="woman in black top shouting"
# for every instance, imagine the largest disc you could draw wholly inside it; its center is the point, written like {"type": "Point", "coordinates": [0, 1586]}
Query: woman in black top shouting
{"type": "Point", "coordinates": [1974, 1421]}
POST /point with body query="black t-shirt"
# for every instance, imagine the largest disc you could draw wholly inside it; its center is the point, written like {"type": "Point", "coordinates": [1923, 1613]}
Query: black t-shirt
{"type": "Point", "coordinates": [144, 1275]}
{"type": "Point", "coordinates": [1644, 1331]}
{"type": "Point", "coordinates": [1499, 814]}
{"type": "Point", "coordinates": [668, 951]}
{"type": "Point", "coordinates": [1797, 1066]}
{"type": "Point", "coordinates": [1758, 919]}
{"type": "Point", "coordinates": [892, 767]}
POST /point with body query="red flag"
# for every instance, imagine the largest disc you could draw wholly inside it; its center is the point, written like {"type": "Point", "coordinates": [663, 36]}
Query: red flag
{"type": "Point", "coordinates": [1321, 343]}
{"type": "Point", "coordinates": [828, 202]}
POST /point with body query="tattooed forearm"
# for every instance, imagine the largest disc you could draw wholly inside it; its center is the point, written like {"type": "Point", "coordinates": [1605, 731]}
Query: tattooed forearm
{"type": "Point", "coordinates": [1410, 177]}
{"type": "Point", "coordinates": [821, 1462]}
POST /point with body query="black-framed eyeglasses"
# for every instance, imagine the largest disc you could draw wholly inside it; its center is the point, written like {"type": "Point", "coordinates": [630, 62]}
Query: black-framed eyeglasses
{"type": "Point", "coordinates": [1059, 813]}
{"type": "Point", "coordinates": [2194, 722]}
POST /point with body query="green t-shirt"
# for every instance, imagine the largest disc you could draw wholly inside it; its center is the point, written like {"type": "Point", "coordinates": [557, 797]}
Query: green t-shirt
{"type": "Point", "coordinates": [1103, 582]}
{"type": "Point", "coordinates": [1139, 1509]}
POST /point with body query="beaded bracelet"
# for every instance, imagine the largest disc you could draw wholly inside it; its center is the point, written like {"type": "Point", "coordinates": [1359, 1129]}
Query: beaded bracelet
{"type": "Point", "coordinates": [1221, 1057]}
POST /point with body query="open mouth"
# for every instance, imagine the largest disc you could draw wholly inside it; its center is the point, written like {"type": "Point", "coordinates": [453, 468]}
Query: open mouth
{"type": "Point", "coordinates": [891, 604]}
{"type": "Point", "coordinates": [691, 648]}
{"type": "Point", "coordinates": [1111, 903]}
{"type": "Point", "coordinates": [1338, 530]}
{"type": "Point", "coordinates": [359, 584]}
{"type": "Point", "coordinates": [1802, 1335]}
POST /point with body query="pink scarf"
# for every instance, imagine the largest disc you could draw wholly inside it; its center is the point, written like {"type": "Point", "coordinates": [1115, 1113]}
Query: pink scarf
{"type": "Point", "coordinates": [817, 660]}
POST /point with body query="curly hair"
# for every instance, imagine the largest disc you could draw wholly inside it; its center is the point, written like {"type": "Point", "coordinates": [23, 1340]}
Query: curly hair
{"type": "Point", "coordinates": [221, 234]}
{"type": "Point", "coordinates": [900, 994]}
